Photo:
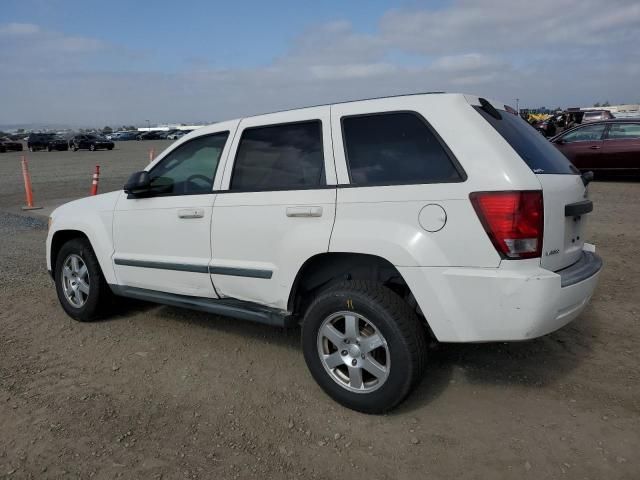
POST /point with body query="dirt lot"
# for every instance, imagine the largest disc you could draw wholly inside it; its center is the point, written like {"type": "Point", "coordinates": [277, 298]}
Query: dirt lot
{"type": "Point", "coordinates": [158, 392]}
{"type": "Point", "coordinates": [62, 175]}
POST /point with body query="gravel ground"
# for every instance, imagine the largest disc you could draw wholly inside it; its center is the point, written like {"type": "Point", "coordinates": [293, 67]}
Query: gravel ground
{"type": "Point", "coordinates": [56, 175]}
{"type": "Point", "coordinates": [159, 392]}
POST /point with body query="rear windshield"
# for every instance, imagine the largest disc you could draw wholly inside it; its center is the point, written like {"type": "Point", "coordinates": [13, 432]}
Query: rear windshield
{"type": "Point", "coordinates": [537, 152]}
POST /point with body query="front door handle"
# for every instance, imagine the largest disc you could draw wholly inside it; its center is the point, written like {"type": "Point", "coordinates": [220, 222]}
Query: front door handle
{"type": "Point", "coordinates": [191, 213]}
{"type": "Point", "coordinates": [310, 211]}
{"type": "Point", "coordinates": [595, 147]}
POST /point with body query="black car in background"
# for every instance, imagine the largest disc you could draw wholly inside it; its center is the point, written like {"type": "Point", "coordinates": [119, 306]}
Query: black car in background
{"type": "Point", "coordinates": [90, 142]}
{"type": "Point", "coordinates": [46, 141]}
{"type": "Point", "coordinates": [151, 135]}
{"type": "Point", "coordinates": [8, 145]}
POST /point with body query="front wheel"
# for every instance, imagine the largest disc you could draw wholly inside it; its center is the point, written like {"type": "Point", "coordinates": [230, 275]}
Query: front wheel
{"type": "Point", "coordinates": [364, 345]}
{"type": "Point", "coordinates": [80, 284]}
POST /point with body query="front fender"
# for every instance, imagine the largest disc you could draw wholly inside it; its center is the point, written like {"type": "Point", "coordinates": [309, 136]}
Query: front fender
{"type": "Point", "coordinates": [92, 216]}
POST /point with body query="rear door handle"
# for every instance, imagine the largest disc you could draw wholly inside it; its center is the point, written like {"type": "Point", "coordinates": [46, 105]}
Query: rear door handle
{"type": "Point", "coordinates": [191, 213]}
{"type": "Point", "coordinates": [310, 211]}
{"type": "Point", "coordinates": [595, 147]}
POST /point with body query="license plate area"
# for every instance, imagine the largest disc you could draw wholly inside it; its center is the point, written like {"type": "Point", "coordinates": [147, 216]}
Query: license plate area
{"type": "Point", "coordinates": [573, 234]}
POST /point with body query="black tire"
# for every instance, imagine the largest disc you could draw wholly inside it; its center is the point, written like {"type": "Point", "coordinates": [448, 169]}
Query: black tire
{"type": "Point", "coordinates": [395, 320]}
{"type": "Point", "coordinates": [109, 148]}
{"type": "Point", "coordinates": [100, 297]}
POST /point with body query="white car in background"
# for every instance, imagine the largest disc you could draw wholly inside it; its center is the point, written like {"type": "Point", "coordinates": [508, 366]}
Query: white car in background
{"type": "Point", "coordinates": [177, 135]}
{"type": "Point", "coordinates": [374, 224]}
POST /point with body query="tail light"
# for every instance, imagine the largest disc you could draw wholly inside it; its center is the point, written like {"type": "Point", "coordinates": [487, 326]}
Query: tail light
{"type": "Point", "coordinates": [514, 221]}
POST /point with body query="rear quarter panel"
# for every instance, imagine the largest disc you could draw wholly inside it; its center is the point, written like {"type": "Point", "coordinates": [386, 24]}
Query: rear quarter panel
{"type": "Point", "coordinates": [383, 220]}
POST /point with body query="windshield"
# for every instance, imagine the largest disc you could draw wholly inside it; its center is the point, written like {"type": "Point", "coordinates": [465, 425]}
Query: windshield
{"type": "Point", "coordinates": [536, 151]}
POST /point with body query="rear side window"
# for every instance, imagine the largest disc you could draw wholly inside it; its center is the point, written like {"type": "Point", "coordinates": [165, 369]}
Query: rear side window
{"type": "Point", "coordinates": [537, 152]}
{"type": "Point", "coordinates": [395, 148]}
{"type": "Point", "coordinates": [276, 157]}
{"type": "Point", "coordinates": [623, 131]}
{"type": "Point", "coordinates": [588, 133]}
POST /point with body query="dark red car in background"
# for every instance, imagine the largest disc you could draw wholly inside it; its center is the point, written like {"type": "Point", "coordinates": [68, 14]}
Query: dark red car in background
{"type": "Point", "coordinates": [609, 146]}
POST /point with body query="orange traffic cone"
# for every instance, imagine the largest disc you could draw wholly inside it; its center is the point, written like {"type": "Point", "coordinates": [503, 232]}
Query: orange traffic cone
{"type": "Point", "coordinates": [94, 182]}
{"type": "Point", "coordinates": [27, 185]}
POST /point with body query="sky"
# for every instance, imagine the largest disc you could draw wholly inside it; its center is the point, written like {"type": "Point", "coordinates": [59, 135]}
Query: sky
{"type": "Point", "coordinates": [89, 63]}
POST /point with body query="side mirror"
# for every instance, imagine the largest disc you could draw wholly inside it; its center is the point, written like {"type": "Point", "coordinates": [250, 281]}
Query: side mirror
{"type": "Point", "coordinates": [138, 184]}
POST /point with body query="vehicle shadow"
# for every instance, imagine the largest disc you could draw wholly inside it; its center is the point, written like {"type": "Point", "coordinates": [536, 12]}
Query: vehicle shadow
{"type": "Point", "coordinates": [530, 364]}
{"type": "Point", "coordinates": [281, 337]}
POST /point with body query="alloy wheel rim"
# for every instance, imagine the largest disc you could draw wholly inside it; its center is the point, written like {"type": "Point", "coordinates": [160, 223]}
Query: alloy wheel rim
{"type": "Point", "coordinates": [75, 280]}
{"type": "Point", "coordinates": [353, 352]}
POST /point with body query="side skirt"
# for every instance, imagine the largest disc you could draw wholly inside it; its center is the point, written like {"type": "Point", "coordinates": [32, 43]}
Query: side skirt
{"type": "Point", "coordinates": [228, 307]}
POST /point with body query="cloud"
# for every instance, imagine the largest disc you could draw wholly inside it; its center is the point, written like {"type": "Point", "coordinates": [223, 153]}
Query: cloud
{"type": "Point", "coordinates": [560, 52]}
{"type": "Point", "coordinates": [18, 29]}
{"type": "Point", "coordinates": [508, 26]}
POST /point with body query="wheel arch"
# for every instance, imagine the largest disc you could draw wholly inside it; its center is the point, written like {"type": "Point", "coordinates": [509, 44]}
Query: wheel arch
{"type": "Point", "coordinates": [58, 239]}
{"type": "Point", "coordinates": [326, 268]}
{"type": "Point", "coordinates": [101, 248]}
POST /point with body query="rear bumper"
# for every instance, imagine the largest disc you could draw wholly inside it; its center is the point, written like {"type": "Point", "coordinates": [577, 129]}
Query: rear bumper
{"type": "Point", "coordinates": [517, 301]}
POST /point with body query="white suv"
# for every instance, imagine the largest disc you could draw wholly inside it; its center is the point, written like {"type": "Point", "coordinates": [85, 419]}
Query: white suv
{"type": "Point", "coordinates": [374, 224]}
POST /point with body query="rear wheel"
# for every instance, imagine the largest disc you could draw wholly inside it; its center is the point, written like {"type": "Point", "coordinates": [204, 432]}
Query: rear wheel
{"type": "Point", "coordinates": [80, 285]}
{"type": "Point", "coordinates": [364, 346]}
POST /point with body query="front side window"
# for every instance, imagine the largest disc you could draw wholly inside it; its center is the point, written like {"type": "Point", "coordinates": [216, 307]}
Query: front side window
{"type": "Point", "coordinates": [395, 148]}
{"type": "Point", "coordinates": [588, 133]}
{"type": "Point", "coordinates": [190, 168]}
{"type": "Point", "coordinates": [623, 131]}
{"type": "Point", "coordinates": [287, 156]}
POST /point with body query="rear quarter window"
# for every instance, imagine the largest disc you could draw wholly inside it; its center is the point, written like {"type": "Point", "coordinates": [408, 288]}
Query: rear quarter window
{"type": "Point", "coordinates": [538, 153]}
{"type": "Point", "coordinates": [396, 148]}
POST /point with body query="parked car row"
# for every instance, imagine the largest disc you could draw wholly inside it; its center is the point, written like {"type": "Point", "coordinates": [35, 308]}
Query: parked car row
{"type": "Point", "coordinates": [121, 136]}
{"type": "Point", "coordinates": [51, 141]}
{"type": "Point", "coordinates": [48, 141]}
{"type": "Point", "coordinates": [150, 135]}
{"type": "Point", "coordinates": [162, 135]}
